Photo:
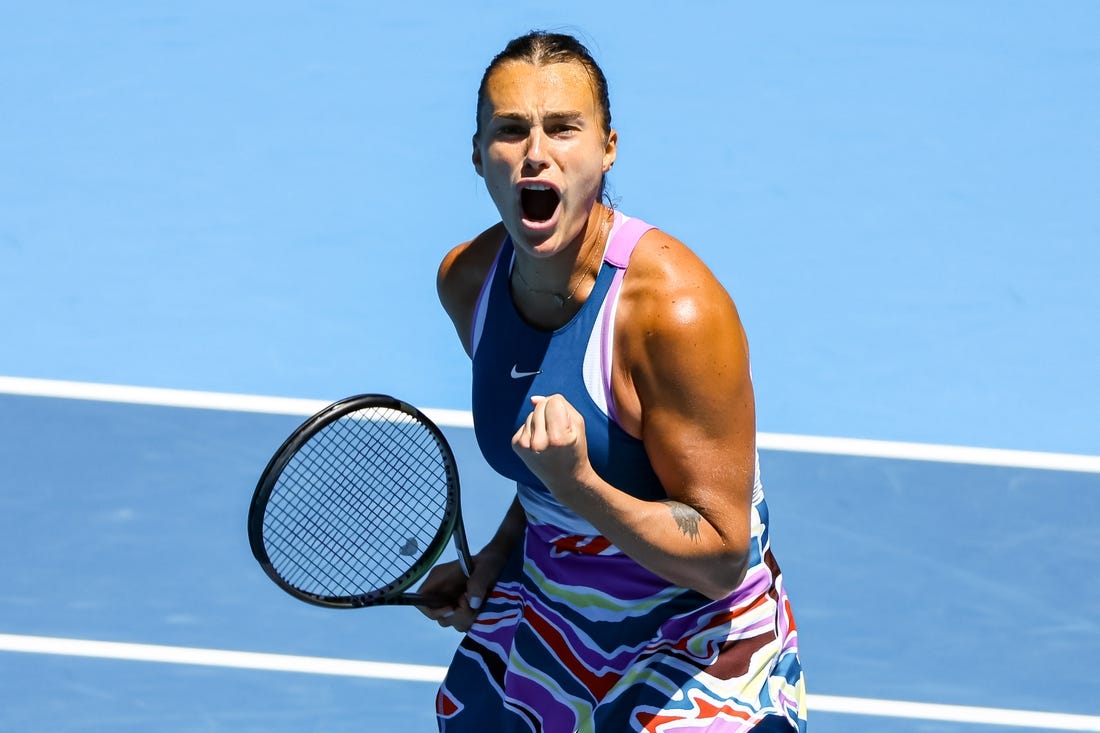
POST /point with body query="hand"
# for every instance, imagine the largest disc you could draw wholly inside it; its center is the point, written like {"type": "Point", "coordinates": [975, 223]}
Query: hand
{"type": "Point", "coordinates": [464, 595]}
{"type": "Point", "coordinates": [553, 444]}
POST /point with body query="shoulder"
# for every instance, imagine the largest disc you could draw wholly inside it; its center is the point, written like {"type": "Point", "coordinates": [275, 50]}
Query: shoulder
{"type": "Point", "coordinates": [462, 273]}
{"type": "Point", "coordinates": [679, 339]}
{"type": "Point", "coordinates": [470, 260]}
{"type": "Point", "coordinates": [670, 289]}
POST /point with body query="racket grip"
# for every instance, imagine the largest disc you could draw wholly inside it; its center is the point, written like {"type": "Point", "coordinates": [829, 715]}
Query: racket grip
{"type": "Point", "coordinates": [420, 599]}
{"type": "Point", "coordinates": [462, 547]}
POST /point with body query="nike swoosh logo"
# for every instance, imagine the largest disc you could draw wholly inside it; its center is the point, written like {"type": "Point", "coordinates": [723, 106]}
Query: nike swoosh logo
{"type": "Point", "coordinates": [516, 374]}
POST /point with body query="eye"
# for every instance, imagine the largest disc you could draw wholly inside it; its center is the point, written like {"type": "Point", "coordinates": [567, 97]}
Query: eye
{"type": "Point", "coordinates": [562, 130]}
{"type": "Point", "coordinates": [510, 130]}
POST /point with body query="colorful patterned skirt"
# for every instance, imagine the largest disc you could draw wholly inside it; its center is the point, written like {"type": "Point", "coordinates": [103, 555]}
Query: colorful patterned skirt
{"type": "Point", "coordinates": [576, 636]}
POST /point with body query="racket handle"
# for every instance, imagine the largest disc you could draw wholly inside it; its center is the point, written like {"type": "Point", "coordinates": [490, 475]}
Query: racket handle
{"type": "Point", "coordinates": [420, 599]}
{"type": "Point", "coordinates": [462, 547]}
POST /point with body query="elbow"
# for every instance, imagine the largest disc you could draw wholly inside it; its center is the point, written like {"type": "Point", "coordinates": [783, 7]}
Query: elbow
{"type": "Point", "coordinates": [724, 576]}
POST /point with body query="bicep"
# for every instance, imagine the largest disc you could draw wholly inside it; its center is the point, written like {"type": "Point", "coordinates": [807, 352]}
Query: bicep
{"type": "Point", "coordinates": [698, 411]}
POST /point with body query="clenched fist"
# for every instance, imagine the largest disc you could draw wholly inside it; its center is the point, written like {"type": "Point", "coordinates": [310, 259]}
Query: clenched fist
{"type": "Point", "coordinates": [552, 443]}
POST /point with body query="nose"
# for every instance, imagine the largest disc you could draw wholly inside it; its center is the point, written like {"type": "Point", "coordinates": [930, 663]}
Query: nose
{"type": "Point", "coordinates": [536, 158]}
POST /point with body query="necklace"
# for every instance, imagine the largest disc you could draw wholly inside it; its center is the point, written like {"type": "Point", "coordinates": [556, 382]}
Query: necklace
{"type": "Point", "coordinates": [560, 299]}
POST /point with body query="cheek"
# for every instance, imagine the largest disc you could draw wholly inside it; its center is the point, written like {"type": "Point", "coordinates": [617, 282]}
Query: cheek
{"type": "Point", "coordinates": [587, 176]}
{"type": "Point", "coordinates": [498, 183]}
{"type": "Point", "coordinates": [498, 163]}
{"type": "Point", "coordinates": [495, 171]}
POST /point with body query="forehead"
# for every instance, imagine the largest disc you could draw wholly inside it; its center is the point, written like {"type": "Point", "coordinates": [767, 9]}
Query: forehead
{"type": "Point", "coordinates": [521, 87]}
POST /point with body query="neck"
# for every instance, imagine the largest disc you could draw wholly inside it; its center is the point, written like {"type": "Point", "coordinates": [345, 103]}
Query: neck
{"type": "Point", "coordinates": [564, 278]}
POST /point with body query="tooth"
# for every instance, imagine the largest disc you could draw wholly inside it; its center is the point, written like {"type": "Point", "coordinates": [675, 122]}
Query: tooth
{"type": "Point", "coordinates": [538, 187]}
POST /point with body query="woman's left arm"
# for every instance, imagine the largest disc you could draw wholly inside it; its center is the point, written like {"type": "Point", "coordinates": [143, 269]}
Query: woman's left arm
{"type": "Point", "coordinates": [682, 385]}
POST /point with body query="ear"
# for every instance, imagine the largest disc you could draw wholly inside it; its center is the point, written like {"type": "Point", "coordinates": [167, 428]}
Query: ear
{"type": "Point", "coordinates": [476, 158]}
{"type": "Point", "coordinates": [610, 150]}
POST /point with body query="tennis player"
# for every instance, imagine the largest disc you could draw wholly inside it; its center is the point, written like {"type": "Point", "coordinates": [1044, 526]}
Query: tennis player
{"type": "Point", "coordinates": [631, 585]}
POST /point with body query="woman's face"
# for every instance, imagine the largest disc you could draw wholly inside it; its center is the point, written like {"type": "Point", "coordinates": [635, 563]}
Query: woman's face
{"type": "Point", "coordinates": [542, 152]}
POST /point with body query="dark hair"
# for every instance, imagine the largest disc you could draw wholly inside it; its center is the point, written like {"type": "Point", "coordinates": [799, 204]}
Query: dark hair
{"type": "Point", "coordinates": [541, 48]}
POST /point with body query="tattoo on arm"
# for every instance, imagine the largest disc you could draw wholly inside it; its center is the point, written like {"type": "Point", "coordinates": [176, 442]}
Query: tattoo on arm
{"type": "Point", "coordinates": [686, 518]}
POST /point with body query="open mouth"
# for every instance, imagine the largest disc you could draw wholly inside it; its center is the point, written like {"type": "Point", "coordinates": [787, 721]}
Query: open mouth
{"type": "Point", "coordinates": [538, 202]}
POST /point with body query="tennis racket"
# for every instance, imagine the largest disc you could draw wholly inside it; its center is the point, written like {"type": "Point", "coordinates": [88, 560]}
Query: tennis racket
{"type": "Point", "coordinates": [357, 505]}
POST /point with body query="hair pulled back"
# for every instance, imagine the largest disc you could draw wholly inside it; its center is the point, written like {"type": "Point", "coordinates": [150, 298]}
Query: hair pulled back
{"type": "Point", "coordinates": [541, 48]}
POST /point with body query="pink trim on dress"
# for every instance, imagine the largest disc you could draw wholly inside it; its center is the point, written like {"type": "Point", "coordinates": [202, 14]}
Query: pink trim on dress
{"type": "Point", "coordinates": [625, 238]}
{"type": "Point", "coordinates": [480, 305]}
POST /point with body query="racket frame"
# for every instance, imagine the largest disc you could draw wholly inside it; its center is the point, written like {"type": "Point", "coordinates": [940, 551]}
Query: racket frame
{"type": "Point", "coordinates": [394, 593]}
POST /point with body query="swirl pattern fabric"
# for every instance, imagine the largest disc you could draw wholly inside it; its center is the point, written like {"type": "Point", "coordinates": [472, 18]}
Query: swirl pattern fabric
{"type": "Point", "coordinates": [553, 653]}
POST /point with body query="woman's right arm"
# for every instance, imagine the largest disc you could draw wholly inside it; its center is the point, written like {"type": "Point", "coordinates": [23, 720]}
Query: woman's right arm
{"type": "Point", "coordinates": [459, 281]}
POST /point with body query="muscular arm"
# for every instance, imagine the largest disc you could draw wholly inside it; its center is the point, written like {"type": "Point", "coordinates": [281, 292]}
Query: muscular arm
{"type": "Point", "coordinates": [683, 386]}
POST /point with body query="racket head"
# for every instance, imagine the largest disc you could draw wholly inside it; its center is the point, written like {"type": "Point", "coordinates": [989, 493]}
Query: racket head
{"type": "Point", "coordinates": [357, 504]}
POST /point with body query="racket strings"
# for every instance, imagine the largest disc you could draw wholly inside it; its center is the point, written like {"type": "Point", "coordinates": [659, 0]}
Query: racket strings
{"type": "Point", "coordinates": [342, 492]}
{"type": "Point", "coordinates": [339, 545]}
{"type": "Point", "coordinates": [358, 504]}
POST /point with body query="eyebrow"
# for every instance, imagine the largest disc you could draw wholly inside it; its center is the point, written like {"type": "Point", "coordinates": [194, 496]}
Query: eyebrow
{"type": "Point", "coordinates": [565, 116]}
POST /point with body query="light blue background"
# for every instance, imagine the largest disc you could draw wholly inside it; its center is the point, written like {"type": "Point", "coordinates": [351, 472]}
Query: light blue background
{"type": "Point", "coordinates": [253, 197]}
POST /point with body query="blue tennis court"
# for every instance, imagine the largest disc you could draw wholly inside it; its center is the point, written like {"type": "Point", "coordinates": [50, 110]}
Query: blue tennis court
{"type": "Point", "coordinates": [215, 218]}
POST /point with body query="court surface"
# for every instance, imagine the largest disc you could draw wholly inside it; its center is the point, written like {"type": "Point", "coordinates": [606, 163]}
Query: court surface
{"type": "Point", "coordinates": [230, 215]}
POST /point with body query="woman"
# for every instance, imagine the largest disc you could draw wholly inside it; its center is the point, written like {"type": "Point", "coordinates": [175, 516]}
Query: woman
{"type": "Point", "coordinates": [630, 585]}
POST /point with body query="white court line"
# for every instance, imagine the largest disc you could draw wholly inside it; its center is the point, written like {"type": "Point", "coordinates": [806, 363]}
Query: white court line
{"type": "Point", "coordinates": [218, 658]}
{"type": "Point", "coordinates": [463, 419]}
{"type": "Point", "coordinates": [434, 674]}
{"type": "Point", "coordinates": [161, 397]}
